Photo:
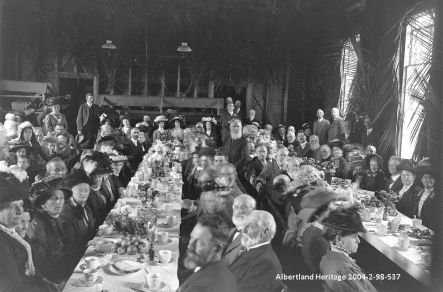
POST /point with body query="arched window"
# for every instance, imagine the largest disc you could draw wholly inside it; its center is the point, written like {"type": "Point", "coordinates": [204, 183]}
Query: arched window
{"type": "Point", "coordinates": [348, 69]}
{"type": "Point", "coordinates": [416, 65]}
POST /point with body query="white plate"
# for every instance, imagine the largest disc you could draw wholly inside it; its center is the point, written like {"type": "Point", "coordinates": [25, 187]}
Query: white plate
{"type": "Point", "coordinates": [400, 248]}
{"type": "Point", "coordinates": [114, 269]}
{"type": "Point", "coordinates": [83, 283]}
{"type": "Point", "coordinates": [143, 286]}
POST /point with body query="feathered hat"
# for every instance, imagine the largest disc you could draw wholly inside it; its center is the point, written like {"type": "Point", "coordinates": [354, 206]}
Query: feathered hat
{"type": "Point", "coordinates": [346, 220]}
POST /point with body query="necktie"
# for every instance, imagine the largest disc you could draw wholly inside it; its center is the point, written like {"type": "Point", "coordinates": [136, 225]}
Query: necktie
{"type": "Point", "coordinates": [107, 185]}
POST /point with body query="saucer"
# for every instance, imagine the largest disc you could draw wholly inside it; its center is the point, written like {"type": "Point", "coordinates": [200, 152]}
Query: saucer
{"type": "Point", "coordinates": [83, 266]}
{"type": "Point", "coordinates": [84, 283]}
{"type": "Point", "coordinates": [166, 225]}
{"type": "Point", "coordinates": [157, 262]}
{"type": "Point", "coordinates": [160, 243]}
{"type": "Point", "coordinates": [145, 287]}
{"type": "Point", "coordinates": [381, 234]}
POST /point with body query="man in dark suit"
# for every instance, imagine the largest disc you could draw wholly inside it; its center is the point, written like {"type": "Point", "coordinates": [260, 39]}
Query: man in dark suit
{"type": "Point", "coordinates": [208, 239]}
{"type": "Point", "coordinates": [226, 117]}
{"type": "Point", "coordinates": [136, 150]}
{"type": "Point", "coordinates": [321, 127]}
{"type": "Point", "coordinates": [370, 135]}
{"type": "Point", "coordinates": [337, 129]}
{"type": "Point", "coordinates": [241, 209]}
{"type": "Point", "coordinates": [88, 121]}
{"type": "Point", "coordinates": [394, 181]}
{"type": "Point", "coordinates": [251, 120]}
{"type": "Point", "coordinates": [258, 269]}
{"type": "Point", "coordinates": [303, 148]}
{"type": "Point", "coordinates": [236, 146]}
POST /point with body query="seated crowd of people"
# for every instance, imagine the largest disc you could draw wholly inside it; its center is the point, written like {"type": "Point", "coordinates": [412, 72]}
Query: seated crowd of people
{"type": "Point", "coordinates": [241, 227]}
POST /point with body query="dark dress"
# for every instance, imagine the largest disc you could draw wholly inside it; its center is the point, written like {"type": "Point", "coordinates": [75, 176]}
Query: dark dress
{"type": "Point", "coordinates": [373, 181]}
{"type": "Point", "coordinates": [45, 234]}
{"type": "Point", "coordinates": [13, 258]}
{"type": "Point", "coordinates": [408, 202]}
{"type": "Point", "coordinates": [429, 210]}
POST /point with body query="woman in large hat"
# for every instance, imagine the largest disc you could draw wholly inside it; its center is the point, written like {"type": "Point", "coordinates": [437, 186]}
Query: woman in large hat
{"type": "Point", "coordinates": [408, 194]}
{"type": "Point", "coordinates": [45, 233]}
{"type": "Point", "coordinates": [125, 125]}
{"type": "Point", "coordinates": [426, 204]}
{"type": "Point", "coordinates": [54, 117]}
{"type": "Point", "coordinates": [160, 133]}
{"type": "Point", "coordinates": [342, 228]}
{"type": "Point", "coordinates": [77, 218]}
{"type": "Point", "coordinates": [17, 271]}
{"type": "Point", "coordinates": [177, 131]}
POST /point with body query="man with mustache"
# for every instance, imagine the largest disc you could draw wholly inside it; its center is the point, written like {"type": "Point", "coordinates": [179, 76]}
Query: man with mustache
{"type": "Point", "coordinates": [208, 239]}
{"type": "Point", "coordinates": [257, 268]}
{"type": "Point", "coordinates": [242, 208]}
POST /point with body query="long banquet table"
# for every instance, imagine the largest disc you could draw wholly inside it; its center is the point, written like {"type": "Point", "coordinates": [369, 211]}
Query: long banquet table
{"type": "Point", "coordinates": [108, 280]}
{"type": "Point", "coordinates": [408, 260]}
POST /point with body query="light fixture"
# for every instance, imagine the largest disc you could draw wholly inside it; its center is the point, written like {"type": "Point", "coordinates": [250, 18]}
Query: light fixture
{"type": "Point", "coordinates": [184, 48]}
{"type": "Point", "coordinates": [109, 46]}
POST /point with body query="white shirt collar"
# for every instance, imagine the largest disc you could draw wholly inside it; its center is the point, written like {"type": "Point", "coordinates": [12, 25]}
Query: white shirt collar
{"type": "Point", "coordinates": [303, 145]}
{"type": "Point", "coordinates": [318, 225]}
{"type": "Point", "coordinates": [197, 269]}
{"type": "Point", "coordinates": [395, 177]}
{"type": "Point", "coordinates": [258, 245]}
{"type": "Point", "coordinates": [321, 119]}
{"type": "Point", "coordinates": [134, 141]}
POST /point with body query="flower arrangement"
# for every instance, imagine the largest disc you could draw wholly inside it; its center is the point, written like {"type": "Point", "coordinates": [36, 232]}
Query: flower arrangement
{"type": "Point", "coordinates": [129, 220]}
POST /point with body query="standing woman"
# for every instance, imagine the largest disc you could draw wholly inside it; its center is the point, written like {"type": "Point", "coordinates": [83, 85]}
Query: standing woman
{"type": "Point", "coordinates": [177, 131]}
{"type": "Point", "coordinates": [211, 131]}
{"type": "Point", "coordinates": [125, 125]}
{"type": "Point", "coordinates": [17, 270]}
{"type": "Point", "coordinates": [160, 134]}
{"type": "Point", "coordinates": [54, 117]}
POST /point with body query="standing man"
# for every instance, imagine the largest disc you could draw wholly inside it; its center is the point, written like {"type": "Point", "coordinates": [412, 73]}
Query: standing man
{"type": "Point", "coordinates": [238, 110]}
{"type": "Point", "coordinates": [88, 121]}
{"type": "Point", "coordinates": [226, 118]}
{"type": "Point", "coordinates": [208, 240]}
{"type": "Point", "coordinates": [321, 127]}
{"type": "Point", "coordinates": [337, 129]}
{"type": "Point", "coordinates": [136, 150]}
{"type": "Point", "coordinates": [369, 135]}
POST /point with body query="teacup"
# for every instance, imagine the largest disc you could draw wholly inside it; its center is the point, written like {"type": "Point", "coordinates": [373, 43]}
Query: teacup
{"type": "Point", "coordinates": [403, 242]}
{"type": "Point", "coordinates": [366, 215]}
{"type": "Point", "coordinates": [382, 228]}
{"type": "Point", "coordinates": [153, 281]}
{"type": "Point", "coordinates": [92, 262]}
{"type": "Point", "coordinates": [416, 223]}
{"type": "Point", "coordinates": [171, 220]}
{"type": "Point", "coordinates": [163, 237]}
{"type": "Point", "coordinates": [164, 256]}
{"type": "Point", "coordinates": [90, 275]}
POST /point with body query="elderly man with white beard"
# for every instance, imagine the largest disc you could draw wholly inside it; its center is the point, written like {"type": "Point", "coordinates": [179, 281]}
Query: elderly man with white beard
{"type": "Point", "coordinates": [208, 239]}
{"type": "Point", "coordinates": [236, 146]}
{"type": "Point", "coordinates": [242, 208]}
{"type": "Point", "coordinates": [314, 145]}
{"type": "Point", "coordinates": [258, 268]}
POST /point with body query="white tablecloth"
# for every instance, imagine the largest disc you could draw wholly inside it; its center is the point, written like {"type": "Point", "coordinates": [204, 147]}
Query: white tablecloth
{"type": "Point", "coordinates": [113, 282]}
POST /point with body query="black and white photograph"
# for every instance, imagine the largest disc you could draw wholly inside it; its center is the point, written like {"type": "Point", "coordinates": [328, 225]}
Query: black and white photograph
{"type": "Point", "coordinates": [221, 145]}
